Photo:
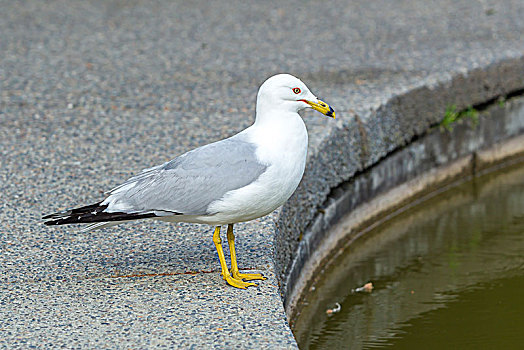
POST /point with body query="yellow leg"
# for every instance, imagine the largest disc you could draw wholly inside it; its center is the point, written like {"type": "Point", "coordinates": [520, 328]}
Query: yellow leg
{"type": "Point", "coordinates": [234, 265]}
{"type": "Point", "coordinates": [235, 282]}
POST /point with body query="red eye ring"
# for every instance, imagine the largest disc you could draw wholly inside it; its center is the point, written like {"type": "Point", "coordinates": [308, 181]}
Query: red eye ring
{"type": "Point", "coordinates": [297, 90]}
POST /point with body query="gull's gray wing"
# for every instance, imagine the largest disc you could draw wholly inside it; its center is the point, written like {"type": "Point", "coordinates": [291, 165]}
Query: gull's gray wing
{"type": "Point", "coordinates": [189, 183]}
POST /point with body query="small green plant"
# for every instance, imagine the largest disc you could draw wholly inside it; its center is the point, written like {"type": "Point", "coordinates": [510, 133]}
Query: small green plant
{"type": "Point", "coordinates": [502, 102]}
{"type": "Point", "coordinates": [451, 116]}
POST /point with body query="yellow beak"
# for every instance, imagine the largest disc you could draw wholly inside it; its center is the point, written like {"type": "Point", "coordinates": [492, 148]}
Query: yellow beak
{"type": "Point", "coordinates": [322, 107]}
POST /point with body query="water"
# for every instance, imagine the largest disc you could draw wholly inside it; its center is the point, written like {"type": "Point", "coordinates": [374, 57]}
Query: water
{"type": "Point", "coordinates": [447, 274]}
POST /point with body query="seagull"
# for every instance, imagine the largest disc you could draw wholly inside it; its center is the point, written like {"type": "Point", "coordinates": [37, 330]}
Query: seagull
{"type": "Point", "coordinates": [238, 179]}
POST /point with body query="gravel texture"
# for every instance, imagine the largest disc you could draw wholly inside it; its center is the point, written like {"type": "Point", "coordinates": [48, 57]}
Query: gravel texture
{"type": "Point", "coordinates": [93, 91]}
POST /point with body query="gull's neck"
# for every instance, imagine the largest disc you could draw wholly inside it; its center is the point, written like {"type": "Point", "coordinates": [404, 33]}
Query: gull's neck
{"type": "Point", "coordinates": [279, 130]}
{"type": "Point", "coordinates": [277, 118]}
{"type": "Point", "coordinates": [278, 126]}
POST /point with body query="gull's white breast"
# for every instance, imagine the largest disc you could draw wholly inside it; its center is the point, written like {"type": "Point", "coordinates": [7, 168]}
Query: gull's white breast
{"type": "Point", "coordinates": [282, 145]}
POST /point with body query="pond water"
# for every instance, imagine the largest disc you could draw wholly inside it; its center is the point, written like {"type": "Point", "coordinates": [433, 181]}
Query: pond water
{"type": "Point", "coordinates": [448, 273]}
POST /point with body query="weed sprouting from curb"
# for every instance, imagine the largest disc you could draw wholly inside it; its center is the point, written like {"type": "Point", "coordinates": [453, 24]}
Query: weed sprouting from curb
{"type": "Point", "coordinates": [452, 116]}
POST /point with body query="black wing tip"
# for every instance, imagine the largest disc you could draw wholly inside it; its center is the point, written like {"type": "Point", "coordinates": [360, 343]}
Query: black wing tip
{"type": "Point", "coordinates": [75, 215]}
{"type": "Point", "coordinates": [50, 223]}
{"type": "Point", "coordinates": [91, 214]}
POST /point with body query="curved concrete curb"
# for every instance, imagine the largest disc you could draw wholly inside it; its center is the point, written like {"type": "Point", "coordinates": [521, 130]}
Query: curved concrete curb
{"type": "Point", "coordinates": [408, 175]}
{"type": "Point", "coordinates": [361, 142]}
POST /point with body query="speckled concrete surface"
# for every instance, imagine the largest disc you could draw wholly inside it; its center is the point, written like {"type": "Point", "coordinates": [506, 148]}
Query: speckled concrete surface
{"type": "Point", "coordinates": [93, 91]}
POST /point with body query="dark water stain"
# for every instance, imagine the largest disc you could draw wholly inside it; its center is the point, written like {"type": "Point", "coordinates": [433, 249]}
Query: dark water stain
{"type": "Point", "coordinates": [448, 273]}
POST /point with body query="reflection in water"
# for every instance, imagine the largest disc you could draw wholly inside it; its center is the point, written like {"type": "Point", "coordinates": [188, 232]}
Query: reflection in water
{"type": "Point", "coordinates": [447, 273]}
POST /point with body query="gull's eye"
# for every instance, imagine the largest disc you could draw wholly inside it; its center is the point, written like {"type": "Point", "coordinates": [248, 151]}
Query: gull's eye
{"type": "Point", "coordinates": [297, 90]}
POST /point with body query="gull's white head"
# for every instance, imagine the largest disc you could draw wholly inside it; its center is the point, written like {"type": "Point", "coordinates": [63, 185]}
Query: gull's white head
{"type": "Point", "coordinates": [286, 92]}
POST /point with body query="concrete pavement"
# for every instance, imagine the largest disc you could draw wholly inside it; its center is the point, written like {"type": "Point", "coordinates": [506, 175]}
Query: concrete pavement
{"type": "Point", "coordinates": [92, 92]}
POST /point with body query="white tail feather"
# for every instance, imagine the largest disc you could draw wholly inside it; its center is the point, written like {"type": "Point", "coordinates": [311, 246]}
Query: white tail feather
{"type": "Point", "coordinates": [99, 225]}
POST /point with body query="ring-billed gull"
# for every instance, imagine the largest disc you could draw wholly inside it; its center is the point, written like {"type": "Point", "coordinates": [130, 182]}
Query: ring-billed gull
{"type": "Point", "coordinates": [237, 179]}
